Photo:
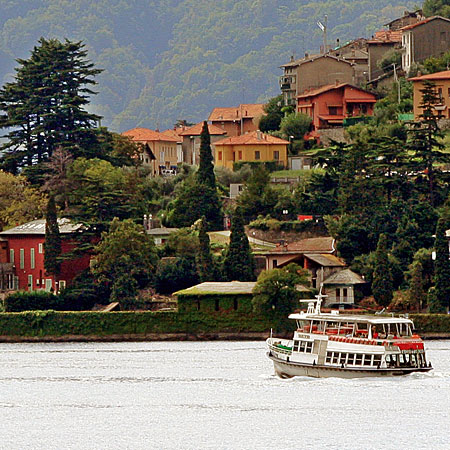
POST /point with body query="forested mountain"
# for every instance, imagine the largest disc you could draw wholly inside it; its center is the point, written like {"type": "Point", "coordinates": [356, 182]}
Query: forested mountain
{"type": "Point", "coordinates": [176, 59]}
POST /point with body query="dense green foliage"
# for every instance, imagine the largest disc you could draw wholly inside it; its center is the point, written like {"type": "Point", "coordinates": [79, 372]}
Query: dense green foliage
{"type": "Point", "coordinates": [205, 264]}
{"type": "Point", "coordinates": [437, 8]}
{"type": "Point", "coordinates": [442, 267]}
{"type": "Point", "coordinates": [176, 273]}
{"type": "Point", "coordinates": [239, 264]}
{"type": "Point", "coordinates": [44, 107]}
{"type": "Point", "coordinates": [195, 55]}
{"type": "Point", "coordinates": [382, 285]}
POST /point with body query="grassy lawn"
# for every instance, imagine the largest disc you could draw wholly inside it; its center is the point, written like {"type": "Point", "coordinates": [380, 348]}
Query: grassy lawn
{"type": "Point", "coordinates": [294, 173]}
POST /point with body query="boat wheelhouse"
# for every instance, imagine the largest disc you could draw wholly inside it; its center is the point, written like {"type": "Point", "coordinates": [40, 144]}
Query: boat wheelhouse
{"type": "Point", "coordinates": [348, 346]}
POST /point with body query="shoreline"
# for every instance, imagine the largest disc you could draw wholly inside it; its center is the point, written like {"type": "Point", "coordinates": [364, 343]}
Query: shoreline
{"type": "Point", "coordinates": [165, 337]}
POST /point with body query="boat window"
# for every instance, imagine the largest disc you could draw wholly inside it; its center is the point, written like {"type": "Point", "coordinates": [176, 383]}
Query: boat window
{"type": "Point", "coordinates": [329, 356]}
{"type": "Point", "coordinates": [376, 360]}
{"type": "Point", "coordinates": [367, 360]}
{"type": "Point", "coordinates": [358, 359]}
{"type": "Point", "coordinates": [335, 358]}
{"type": "Point", "coordinates": [309, 347]}
{"type": "Point", "coordinates": [296, 346]}
{"type": "Point", "coordinates": [342, 358]}
{"type": "Point", "coordinates": [351, 358]}
{"type": "Point", "coordinates": [361, 330]}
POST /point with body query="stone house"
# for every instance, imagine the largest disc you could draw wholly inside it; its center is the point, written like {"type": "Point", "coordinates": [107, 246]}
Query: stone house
{"type": "Point", "coordinates": [429, 37]}
{"type": "Point", "coordinates": [381, 43]}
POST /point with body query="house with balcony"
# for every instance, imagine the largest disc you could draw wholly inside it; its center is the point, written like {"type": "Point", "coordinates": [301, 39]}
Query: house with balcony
{"type": "Point", "coordinates": [250, 147]}
{"type": "Point", "coordinates": [191, 141]}
{"type": "Point", "coordinates": [159, 151]}
{"type": "Point", "coordinates": [330, 105]}
{"type": "Point", "coordinates": [236, 121]}
{"type": "Point", "coordinates": [315, 71]}
{"type": "Point", "coordinates": [441, 82]}
{"type": "Point", "coordinates": [22, 266]}
{"type": "Point", "coordinates": [421, 40]}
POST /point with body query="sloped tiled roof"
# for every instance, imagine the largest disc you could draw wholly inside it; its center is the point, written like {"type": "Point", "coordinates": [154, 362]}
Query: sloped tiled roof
{"type": "Point", "coordinates": [345, 276]}
{"type": "Point", "coordinates": [252, 138]}
{"type": "Point", "coordinates": [37, 227]}
{"type": "Point", "coordinates": [176, 134]}
{"type": "Point", "coordinates": [326, 260]}
{"type": "Point", "coordinates": [145, 134]}
{"type": "Point", "coordinates": [423, 22]}
{"type": "Point", "coordinates": [310, 245]}
{"type": "Point", "coordinates": [386, 37]}
{"type": "Point", "coordinates": [311, 58]}
{"type": "Point", "coordinates": [444, 75]}
{"type": "Point", "coordinates": [248, 110]}
{"type": "Point", "coordinates": [196, 130]}
{"type": "Point", "coordinates": [330, 87]}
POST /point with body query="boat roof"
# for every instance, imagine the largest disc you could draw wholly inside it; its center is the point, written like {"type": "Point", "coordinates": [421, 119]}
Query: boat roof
{"type": "Point", "coordinates": [357, 318]}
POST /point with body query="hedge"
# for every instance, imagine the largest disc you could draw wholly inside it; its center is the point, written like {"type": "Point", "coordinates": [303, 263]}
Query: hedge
{"type": "Point", "coordinates": [270, 166]}
{"type": "Point", "coordinates": [271, 224]}
{"type": "Point", "coordinates": [431, 323]}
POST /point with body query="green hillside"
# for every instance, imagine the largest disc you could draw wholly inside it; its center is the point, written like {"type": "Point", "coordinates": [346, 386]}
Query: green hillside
{"type": "Point", "coordinates": [171, 59]}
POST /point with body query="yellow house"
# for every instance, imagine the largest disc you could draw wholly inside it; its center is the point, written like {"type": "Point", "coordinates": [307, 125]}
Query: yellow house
{"type": "Point", "coordinates": [159, 150]}
{"type": "Point", "coordinates": [442, 88]}
{"type": "Point", "coordinates": [251, 147]}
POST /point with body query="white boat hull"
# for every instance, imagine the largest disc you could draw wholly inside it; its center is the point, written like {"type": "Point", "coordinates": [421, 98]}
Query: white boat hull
{"type": "Point", "coordinates": [285, 369]}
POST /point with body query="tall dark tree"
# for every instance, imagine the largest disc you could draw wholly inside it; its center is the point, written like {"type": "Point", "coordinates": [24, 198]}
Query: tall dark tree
{"type": "Point", "coordinates": [205, 172]}
{"type": "Point", "coordinates": [424, 141]}
{"type": "Point", "coordinates": [441, 267]}
{"type": "Point", "coordinates": [382, 285]}
{"type": "Point", "coordinates": [205, 263]}
{"type": "Point", "coordinates": [239, 264]}
{"type": "Point", "coordinates": [52, 245]}
{"type": "Point", "coordinates": [43, 108]}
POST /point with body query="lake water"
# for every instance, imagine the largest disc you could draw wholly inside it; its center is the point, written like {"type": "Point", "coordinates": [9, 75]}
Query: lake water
{"type": "Point", "coordinates": [208, 395]}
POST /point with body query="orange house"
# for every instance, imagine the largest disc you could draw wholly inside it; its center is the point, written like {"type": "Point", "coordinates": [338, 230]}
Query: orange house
{"type": "Point", "coordinates": [328, 106]}
{"type": "Point", "coordinates": [441, 81]}
{"type": "Point", "coordinates": [159, 150]}
{"type": "Point", "coordinates": [236, 121]}
{"type": "Point", "coordinates": [254, 146]}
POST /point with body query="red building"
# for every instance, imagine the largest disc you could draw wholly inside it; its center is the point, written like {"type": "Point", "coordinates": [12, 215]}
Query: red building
{"type": "Point", "coordinates": [24, 250]}
{"type": "Point", "coordinates": [329, 105]}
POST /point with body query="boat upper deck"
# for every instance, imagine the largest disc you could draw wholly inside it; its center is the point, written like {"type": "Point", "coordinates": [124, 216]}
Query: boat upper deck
{"type": "Point", "coordinates": [350, 318]}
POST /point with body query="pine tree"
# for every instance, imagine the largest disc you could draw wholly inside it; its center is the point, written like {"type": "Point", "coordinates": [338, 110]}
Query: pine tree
{"type": "Point", "coordinates": [425, 137]}
{"type": "Point", "coordinates": [44, 106]}
{"type": "Point", "coordinates": [239, 264]}
{"type": "Point", "coordinates": [382, 285]}
{"type": "Point", "coordinates": [416, 285]}
{"type": "Point", "coordinates": [52, 246]}
{"type": "Point", "coordinates": [205, 264]}
{"type": "Point", "coordinates": [441, 268]}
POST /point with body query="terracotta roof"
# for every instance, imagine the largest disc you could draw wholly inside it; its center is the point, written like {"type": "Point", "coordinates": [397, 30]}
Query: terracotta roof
{"type": "Point", "coordinates": [174, 134]}
{"type": "Point", "coordinates": [145, 134]}
{"type": "Point", "coordinates": [326, 260]}
{"type": "Point", "coordinates": [330, 87]}
{"type": "Point", "coordinates": [242, 111]}
{"type": "Point", "coordinates": [311, 58]}
{"type": "Point", "coordinates": [38, 227]}
{"type": "Point", "coordinates": [196, 130]}
{"type": "Point", "coordinates": [345, 276]}
{"type": "Point", "coordinates": [423, 22]}
{"type": "Point", "coordinates": [252, 138]}
{"type": "Point", "coordinates": [445, 75]}
{"type": "Point", "coordinates": [311, 245]}
{"type": "Point", "coordinates": [386, 37]}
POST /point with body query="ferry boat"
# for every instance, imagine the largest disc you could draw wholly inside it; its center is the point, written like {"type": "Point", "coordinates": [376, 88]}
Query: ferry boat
{"type": "Point", "coordinates": [347, 345]}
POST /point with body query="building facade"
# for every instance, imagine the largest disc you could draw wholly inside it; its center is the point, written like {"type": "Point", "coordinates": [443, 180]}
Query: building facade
{"type": "Point", "coordinates": [250, 147]}
{"type": "Point", "coordinates": [441, 81]}
{"type": "Point", "coordinates": [159, 150]}
{"type": "Point", "coordinates": [25, 252]}
{"type": "Point", "coordinates": [330, 105]}
{"type": "Point", "coordinates": [237, 121]}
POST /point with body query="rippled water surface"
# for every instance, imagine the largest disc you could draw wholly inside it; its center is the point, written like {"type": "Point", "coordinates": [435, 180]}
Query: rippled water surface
{"type": "Point", "coordinates": [190, 395]}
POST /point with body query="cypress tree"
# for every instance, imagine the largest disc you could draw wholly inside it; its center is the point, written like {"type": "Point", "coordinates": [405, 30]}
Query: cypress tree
{"type": "Point", "coordinates": [205, 173]}
{"type": "Point", "coordinates": [382, 285]}
{"type": "Point", "coordinates": [416, 285]}
{"type": "Point", "coordinates": [52, 245]}
{"type": "Point", "coordinates": [239, 264]}
{"type": "Point", "coordinates": [441, 269]}
{"type": "Point", "coordinates": [205, 264]}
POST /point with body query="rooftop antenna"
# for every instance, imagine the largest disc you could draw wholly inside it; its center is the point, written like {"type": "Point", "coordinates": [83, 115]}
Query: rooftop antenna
{"type": "Point", "coordinates": [323, 27]}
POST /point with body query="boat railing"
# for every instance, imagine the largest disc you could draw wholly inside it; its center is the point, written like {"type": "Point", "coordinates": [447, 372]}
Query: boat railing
{"type": "Point", "coordinates": [278, 347]}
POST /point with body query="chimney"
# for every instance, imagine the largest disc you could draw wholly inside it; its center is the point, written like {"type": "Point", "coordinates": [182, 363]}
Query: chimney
{"type": "Point", "coordinates": [258, 135]}
{"type": "Point", "coordinates": [306, 55]}
{"type": "Point", "coordinates": [292, 58]}
{"type": "Point", "coordinates": [338, 42]}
